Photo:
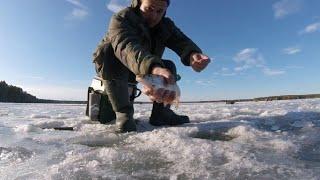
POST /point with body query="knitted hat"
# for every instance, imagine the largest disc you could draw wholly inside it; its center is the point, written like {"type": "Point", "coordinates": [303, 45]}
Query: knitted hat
{"type": "Point", "coordinates": [136, 3]}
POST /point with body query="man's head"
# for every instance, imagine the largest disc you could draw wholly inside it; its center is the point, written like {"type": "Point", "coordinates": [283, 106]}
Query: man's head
{"type": "Point", "coordinates": [153, 10]}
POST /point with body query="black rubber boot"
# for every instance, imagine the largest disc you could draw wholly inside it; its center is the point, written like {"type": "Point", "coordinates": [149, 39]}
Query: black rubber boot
{"type": "Point", "coordinates": [162, 115]}
{"type": "Point", "coordinates": [117, 91]}
{"type": "Point", "coordinates": [106, 114]}
{"type": "Point", "coordinates": [125, 122]}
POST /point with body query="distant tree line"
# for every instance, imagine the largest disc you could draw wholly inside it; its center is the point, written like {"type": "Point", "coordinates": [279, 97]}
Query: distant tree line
{"type": "Point", "coordinates": [9, 93]}
{"type": "Point", "coordinates": [15, 94]}
{"type": "Point", "coordinates": [287, 97]}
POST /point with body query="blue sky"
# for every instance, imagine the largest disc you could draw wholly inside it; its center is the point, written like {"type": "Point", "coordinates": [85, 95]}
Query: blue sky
{"type": "Point", "coordinates": [259, 48]}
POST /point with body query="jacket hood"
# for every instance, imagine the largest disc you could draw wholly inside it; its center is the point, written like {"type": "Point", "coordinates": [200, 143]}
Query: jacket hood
{"type": "Point", "coordinates": [136, 3]}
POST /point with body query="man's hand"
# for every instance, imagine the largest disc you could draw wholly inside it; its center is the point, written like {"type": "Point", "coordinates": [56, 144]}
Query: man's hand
{"type": "Point", "coordinates": [165, 73]}
{"type": "Point", "coordinates": [199, 61]}
{"type": "Point", "coordinates": [161, 95]}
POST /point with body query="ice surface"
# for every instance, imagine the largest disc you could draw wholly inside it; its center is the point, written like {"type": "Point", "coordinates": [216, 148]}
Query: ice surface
{"type": "Point", "coordinates": [252, 140]}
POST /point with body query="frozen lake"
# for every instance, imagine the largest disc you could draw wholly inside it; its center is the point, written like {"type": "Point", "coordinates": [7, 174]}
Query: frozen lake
{"type": "Point", "coordinates": [254, 140]}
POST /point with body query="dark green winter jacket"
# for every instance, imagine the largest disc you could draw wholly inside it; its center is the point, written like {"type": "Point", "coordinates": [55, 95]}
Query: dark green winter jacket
{"type": "Point", "coordinates": [130, 46]}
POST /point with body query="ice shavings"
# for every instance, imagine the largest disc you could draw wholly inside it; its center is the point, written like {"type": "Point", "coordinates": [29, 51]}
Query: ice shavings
{"type": "Point", "coordinates": [14, 154]}
{"type": "Point", "coordinates": [251, 140]}
{"type": "Point", "coordinates": [49, 124]}
{"type": "Point", "coordinates": [98, 139]}
{"type": "Point", "coordinates": [282, 145]}
{"type": "Point", "coordinates": [243, 133]}
{"type": "Point", "coordinates": [27, 128]}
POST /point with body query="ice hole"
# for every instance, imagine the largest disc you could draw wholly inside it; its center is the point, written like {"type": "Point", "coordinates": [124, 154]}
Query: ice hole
{"type": "Point", "coordinates": [213, 136]}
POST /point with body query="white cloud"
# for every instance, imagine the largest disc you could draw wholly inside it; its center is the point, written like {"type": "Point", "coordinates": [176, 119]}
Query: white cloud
{"type": "Point", "coordinates": [311, 28]}
{"type": "Point", "coordinates": [224, 72]}
{"type": "Point", "coordinates": [204, 82]}
{"type": "Point", "coordinates": [79, 12]}
{"type": "Point", "coordinates": [272, 72]}
{"type": "Point", "coordinates": [35, 77]}
{"type": "Point", "coordinates": [241, 68]}
{"type": "Point", "coordinates": [284, 8]}
{"type": "Point", "coordinates": [294, 67]}
{"type": "Point", "coordinates": [224, 69]}
{"type": "Point", "coordinates": [228, 74]}
{"type": "Point", "coordinates": [249, 57]}
{"type": "Point", "coordinates": [77, 3]}
{"type": "Point", "coordinates": [117, 5]}
{"type": "Point", "coordinates": [291, 50]}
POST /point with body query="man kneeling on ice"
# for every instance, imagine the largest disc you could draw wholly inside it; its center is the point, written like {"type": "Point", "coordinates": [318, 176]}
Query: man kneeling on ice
{"type": "Point", "coordinates": [133, 46]}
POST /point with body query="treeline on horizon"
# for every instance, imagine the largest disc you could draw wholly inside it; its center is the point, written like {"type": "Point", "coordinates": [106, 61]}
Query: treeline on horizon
{"type": "Point", "coordinates": [9, 93]}
{"type": "Point", "coordinates": [13, 94]}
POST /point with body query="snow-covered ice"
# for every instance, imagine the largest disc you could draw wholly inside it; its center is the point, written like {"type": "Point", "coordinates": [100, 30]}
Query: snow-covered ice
{"type": "Point", "coordinates": [251, 140]}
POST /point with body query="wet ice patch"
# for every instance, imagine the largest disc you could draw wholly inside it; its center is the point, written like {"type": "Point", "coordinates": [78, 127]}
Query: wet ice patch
{"type": "Point", "coordinates": [301, 124]}
{"type": "Point", "coordinates": [109, 163]}
{"type": "Point", "coordinates": [99, 140]}
{"type": "Point", "coordinates": [4, 113]}
{"type": "Point", "coordinates": [311, 153]}
{"type": "Point", "coordinates": [140, 162]}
